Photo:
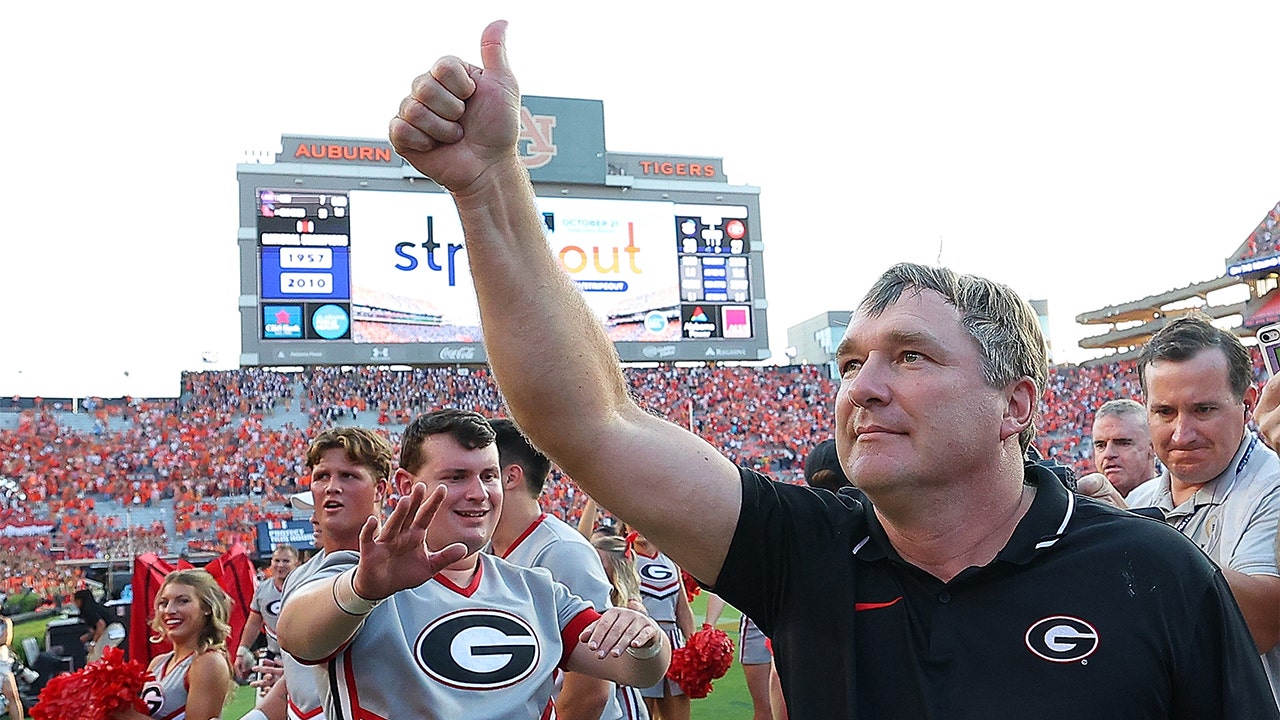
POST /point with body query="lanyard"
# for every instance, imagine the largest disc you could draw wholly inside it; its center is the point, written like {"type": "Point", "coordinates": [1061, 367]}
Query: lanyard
{"type": "Point", "coordinates": [1244, 460]}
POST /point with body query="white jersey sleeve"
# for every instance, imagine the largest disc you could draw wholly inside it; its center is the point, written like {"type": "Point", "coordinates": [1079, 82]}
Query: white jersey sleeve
{"type": "Point", "coordinates": [305, 684]}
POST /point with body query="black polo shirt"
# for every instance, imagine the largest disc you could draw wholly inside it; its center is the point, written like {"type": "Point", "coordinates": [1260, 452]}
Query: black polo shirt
{"type": "Point", "coordinates": [1088, 612]}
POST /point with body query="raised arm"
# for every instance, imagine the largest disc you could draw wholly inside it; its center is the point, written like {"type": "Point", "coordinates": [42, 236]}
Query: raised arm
{"type": "Point", "coordinates": [590, 513]}
{"type": "Point", "coordinates": [555, 365]}
{"type": "Point", "coordinates": [1267, 414]}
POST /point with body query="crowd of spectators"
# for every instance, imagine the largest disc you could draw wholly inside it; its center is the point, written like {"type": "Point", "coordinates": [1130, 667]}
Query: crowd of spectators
{"type": "Point", "coordinates": [394, 397]}
{"type": "Point", "coordinates": [212, 457]}
{"type": "Point", "coordinates": [1265, 239]}
{"type": "Point", "coordinates": [27, 568]}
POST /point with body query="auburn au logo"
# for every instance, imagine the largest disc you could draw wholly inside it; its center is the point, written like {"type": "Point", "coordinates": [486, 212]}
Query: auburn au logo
{"type": "Point", "coordinates": [1062, 639]}
{"type": "Point", "coordinates": [478, 649]}
{"type": "Point", "coordinates": [536, 131]}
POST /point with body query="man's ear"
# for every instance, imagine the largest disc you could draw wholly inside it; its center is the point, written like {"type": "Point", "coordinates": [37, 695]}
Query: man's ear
{"type": "Point", "coordinates": [1020, 409]}
{"type": "Point", "coordinates": [403, 482]}
{"type": "Point", "coordinates": [1250, 402]}
{"type": "Point", "coordinates": [512, 478]}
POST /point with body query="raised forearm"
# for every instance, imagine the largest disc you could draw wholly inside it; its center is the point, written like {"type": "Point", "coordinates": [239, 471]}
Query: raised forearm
{"type": "Point", "coordinates": [587, 522]}
{"type": "Point", "coordinates": [312, 626]}
{"type": "Point", "coordinates": [548, 351]}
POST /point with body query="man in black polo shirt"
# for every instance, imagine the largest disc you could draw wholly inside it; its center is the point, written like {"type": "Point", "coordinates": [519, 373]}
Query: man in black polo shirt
{"type": "Point", "coordinates": [974, 588]}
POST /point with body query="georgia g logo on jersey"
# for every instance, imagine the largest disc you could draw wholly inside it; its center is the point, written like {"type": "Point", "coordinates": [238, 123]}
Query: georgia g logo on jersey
{"type": "Point", "coordinates": [153, 697]}
{"type": "Point", "coordinates": [478, 649]}
{"type": "Point", "coordinates": [1062, 639]}
{"type": "Point", "coordinates": [657, 580]}
{"type": "Point", "coordinates": [273, 608]}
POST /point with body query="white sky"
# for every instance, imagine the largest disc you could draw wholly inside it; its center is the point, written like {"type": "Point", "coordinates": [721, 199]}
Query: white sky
{"type": "Point", "coordinates": [1088, 152]}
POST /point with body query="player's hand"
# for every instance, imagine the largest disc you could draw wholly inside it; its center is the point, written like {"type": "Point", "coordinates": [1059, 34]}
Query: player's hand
{"type": "Point", "coordinates": [1098, 487]}
{"type": "Point", "coordinates": [244, 662]}
{"type": "Point", "coordinates": [394, 555]}
{"type": "Point", "coordinates": [1267, 413]}
{"type": "Point", "coordinates": [269, 672]}
{"type": "Point", "coordinates": [459, 119]}
{"type": "Point", "coordinates": [620, 628]}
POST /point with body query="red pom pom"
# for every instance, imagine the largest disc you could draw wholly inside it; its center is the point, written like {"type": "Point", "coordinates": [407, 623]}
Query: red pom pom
{"type": "Point", "coordinates": [691, 587]}
{"type": "Point", "coordinates": [95, 691]}
{"type": "Point", "coordinates": [705, 657]}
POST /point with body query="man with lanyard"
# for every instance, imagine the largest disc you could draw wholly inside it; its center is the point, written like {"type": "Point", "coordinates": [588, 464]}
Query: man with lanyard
{"type": "Point", "coordinates": [1221, 485]}
{"type": "Point", "coordinates": [966, 585]}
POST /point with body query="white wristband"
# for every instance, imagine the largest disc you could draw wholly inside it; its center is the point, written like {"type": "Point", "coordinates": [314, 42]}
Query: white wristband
{"type": "Point", "coordinates": [646, 652]}
{"type": "Point", "coordinates": [349, 601]}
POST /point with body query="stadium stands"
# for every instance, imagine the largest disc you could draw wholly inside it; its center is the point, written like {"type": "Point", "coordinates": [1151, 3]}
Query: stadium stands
{"type": "Point", "coordinates": [198, 473]}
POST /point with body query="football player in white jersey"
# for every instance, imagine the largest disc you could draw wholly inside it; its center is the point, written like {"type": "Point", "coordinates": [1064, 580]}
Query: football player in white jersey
{"type": "Point", "coordinates": [350, 473]}
{"type": "Point", "coordinates": [528, 537]}
{"type": "Point", "coordinates": [420, 620]}
{"type": "Point", "coordinates": [264, 609]}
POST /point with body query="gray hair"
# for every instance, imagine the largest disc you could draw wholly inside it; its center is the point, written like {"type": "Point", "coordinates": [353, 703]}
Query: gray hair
{"type": "Point", "coordinates": [1121, 408]}
{"type": "Point", "coordinates": [1004, 325]}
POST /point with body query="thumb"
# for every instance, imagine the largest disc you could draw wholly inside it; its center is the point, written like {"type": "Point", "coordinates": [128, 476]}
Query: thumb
{"type": "Point", "coordinates": [493, 46]}
{"type": "Point", "coordinates": [449, 555]}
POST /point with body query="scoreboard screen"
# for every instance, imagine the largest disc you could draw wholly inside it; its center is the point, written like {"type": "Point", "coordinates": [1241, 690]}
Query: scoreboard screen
{"type": "Point", "coordinates": [357, 275]}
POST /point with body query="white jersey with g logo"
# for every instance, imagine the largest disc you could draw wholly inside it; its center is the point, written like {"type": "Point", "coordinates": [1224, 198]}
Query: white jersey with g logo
{"type": "Point", "coordinates": [488, 650]}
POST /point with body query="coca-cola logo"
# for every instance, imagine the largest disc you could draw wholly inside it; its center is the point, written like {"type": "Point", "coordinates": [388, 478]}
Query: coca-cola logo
{"type": "Point", "coordinates": [659, 351]}
{"type": "Point", "coordinates": [466, 352]}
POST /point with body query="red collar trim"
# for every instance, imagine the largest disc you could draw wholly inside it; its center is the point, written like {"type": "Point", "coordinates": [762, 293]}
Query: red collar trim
{"type": "Point", "coordinates": [471, 588]}
{"type": "Point", "coordinates": [527, 532]}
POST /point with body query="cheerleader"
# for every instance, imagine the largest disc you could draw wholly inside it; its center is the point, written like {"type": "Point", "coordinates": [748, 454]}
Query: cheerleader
{"type": "Point", "coordinates": [662, 590]}
{"type": "Point", "coordinates": [192, 681]}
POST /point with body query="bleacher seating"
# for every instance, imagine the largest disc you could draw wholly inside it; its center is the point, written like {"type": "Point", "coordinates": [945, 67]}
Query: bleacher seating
{"type": "Point", "coordinates": [198, 473]}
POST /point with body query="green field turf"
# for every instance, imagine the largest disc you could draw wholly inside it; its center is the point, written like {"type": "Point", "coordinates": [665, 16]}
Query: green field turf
{"type": "Point", "coordinates": [728, 701]}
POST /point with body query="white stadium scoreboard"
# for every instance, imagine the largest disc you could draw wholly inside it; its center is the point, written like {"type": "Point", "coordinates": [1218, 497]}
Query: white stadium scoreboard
{"type": "Point", "coordinates": [349, 256]}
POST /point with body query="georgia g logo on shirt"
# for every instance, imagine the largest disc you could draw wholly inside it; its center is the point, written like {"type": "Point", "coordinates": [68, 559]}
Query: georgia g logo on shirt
{"type": "Point", "coordinates": [1062, 639]}
{"type": "Point", "coordinates": [478, 649]}
{"type": "Point", "coordinates": [658, 580]}
{"type": "Point", "coordinates": [153, 697]}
